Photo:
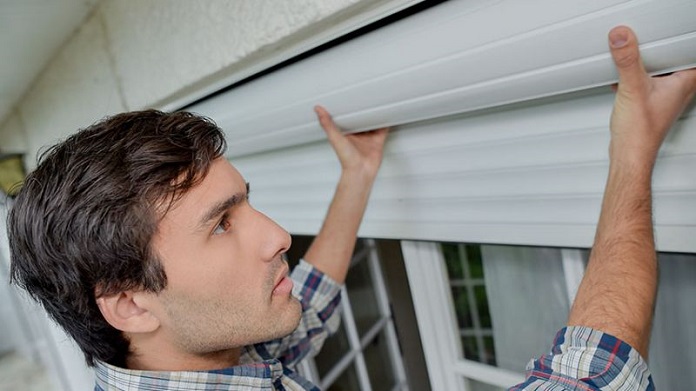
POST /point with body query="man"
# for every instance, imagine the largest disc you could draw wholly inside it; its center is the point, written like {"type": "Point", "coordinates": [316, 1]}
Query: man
{"type": "Point", "coordinates": [138, 238]}
{"type": "Point", "coordinates": [202, 286]}
{"type": "Point", "coordinates": [606, 342]}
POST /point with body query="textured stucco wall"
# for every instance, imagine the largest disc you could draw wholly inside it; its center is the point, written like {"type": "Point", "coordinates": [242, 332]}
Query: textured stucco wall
{"type": "Point", "coordinates": [76, 89]}
{"type": "Point", "coordinates": [131, 55]}
{"type": "Point", "coordinates": [12, 135]}
{"type": "Point", "coordinates": [179, 44]}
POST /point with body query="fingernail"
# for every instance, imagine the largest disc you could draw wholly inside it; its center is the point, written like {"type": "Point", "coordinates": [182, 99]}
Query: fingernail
{"type": "Point", "coordinates": [619, 39]}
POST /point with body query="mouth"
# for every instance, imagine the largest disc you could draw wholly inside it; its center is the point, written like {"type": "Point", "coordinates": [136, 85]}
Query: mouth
{"type": "Point", "coordinates": [283, 285]}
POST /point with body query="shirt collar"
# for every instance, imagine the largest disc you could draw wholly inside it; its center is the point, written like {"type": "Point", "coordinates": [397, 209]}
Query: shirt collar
{"type": "Point", "coordinates": [261, 374]}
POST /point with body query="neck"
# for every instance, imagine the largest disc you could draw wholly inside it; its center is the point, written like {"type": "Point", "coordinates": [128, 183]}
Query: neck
{"type": "Point", "coordinates": [153, 356]}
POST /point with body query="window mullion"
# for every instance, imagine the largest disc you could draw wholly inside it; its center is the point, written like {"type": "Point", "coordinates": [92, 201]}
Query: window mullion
{"type": "Point", "coordinates": [338, 369]}
{"type": "Point", "coordinates": [363, 375]}
{"type": "Point", "coordinates": [372, 332]}
{"type": "Point", "coordinates": [354, 339]}
{"type": "Point", "coordinates": [308, 369]}
{"type": "Point", "coordinates": [383, 302]}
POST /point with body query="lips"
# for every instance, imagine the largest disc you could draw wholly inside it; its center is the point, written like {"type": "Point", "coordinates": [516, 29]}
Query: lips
{"type": "Point", "coordinates": [283, 285]}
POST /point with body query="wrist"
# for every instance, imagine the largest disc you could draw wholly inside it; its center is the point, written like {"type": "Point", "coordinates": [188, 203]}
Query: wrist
{"type": "Point", "coordinates": [357, 179]}
{"type": "Point", "coordinates": [634, 159]}
{"type": "Point", "coordinates": [627, 171]}
{"type": "Point", "coordinates": [359, 173]}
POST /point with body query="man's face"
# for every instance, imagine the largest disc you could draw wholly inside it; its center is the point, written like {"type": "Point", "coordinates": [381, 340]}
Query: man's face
{"type": "Point", "coordinates": [225, 285]}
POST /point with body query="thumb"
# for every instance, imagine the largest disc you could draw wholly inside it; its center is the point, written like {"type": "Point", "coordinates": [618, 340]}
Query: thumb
{"type": "Point", "coordinates": [624, 50]}
{"type": "Point", "coordinates": [326, 122]}
{"type": "Point", "coordinates": [333, 133]}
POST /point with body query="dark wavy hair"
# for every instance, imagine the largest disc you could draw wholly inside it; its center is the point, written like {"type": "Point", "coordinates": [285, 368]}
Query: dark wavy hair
{"type": "Point", "coordinates": [82, 223]}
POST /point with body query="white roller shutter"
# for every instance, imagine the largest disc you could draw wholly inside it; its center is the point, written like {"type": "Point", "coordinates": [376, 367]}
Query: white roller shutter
{"type": "Point", "coordinates": [526, 173]}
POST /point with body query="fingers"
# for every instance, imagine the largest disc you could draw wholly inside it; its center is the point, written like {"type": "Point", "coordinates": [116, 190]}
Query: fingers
{"type": "Point", "coordinates": [327, 122]}
{"type": "Point", "coordinates": [382, 131]}
{"type": "Point", "coordinates": [332, 130]}
{"type": "Point", "coordinates": [624, 50]}
{"type": "Point", "coordinates": [325, 119]}
{"type": "Point", "coordinates": [688, 81]}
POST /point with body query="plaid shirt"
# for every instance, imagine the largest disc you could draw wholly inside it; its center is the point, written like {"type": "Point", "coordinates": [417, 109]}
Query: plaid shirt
{"type": "Point", "coordinates": [584, 359]}
{"type": "Point", "coordinates": [264, 366]}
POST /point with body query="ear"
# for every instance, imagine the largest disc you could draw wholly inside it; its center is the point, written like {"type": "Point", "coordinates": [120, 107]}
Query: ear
{"type": "Point", "coordinates": [126, 311]}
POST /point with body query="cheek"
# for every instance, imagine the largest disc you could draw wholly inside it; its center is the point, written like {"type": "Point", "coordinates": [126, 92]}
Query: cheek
{"type": "Point", "coordinates": [224, 268]}
{"type": "Point", "coordinates": [202, 265]}
{"type": "Point", "coordinates": [222, 272]}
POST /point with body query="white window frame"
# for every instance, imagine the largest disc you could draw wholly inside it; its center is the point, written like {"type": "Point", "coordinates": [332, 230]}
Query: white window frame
{"type": "Point", "coordinates": [437, 322]}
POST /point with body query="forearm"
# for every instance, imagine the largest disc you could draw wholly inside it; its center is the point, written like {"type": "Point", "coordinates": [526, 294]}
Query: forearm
{"type": "Point", "coordinates": [617, 294]}
{"type": "Point", "coordinates": [332, 248]}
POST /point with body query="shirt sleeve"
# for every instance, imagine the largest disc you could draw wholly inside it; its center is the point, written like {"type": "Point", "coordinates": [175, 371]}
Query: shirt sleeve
{"type": "Point", "coordinates": [320, 297]}
{"type": "Point", "coordinates": [586, 359]}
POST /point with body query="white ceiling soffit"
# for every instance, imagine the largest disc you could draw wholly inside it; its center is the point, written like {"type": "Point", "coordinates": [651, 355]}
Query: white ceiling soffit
{"type": "Point", "coordinates": [31, 31]}
{"type": "Point", "coordinates": [456, 57]}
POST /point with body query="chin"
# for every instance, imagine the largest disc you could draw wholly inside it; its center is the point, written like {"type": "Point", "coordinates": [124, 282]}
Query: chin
{"type": "Point", "coordinates": [278, 325]}
{"type": "Point", "coordinates": [288, 320]}
{"type": "Point", "coordinates": [293, 317]}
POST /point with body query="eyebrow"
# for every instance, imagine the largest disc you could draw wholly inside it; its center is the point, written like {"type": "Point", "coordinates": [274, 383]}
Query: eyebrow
{"type": "Point", "coordinates": [218, 208]}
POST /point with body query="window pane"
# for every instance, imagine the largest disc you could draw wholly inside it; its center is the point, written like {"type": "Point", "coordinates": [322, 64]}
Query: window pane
{"type": "Point", "coordinates": [473, 255]}
{"type": "Point", "coordinates": [454, 264]}
{"type": "Point", "coordinates": [379, 365]}
{"type": "Point", "coordinates": [470, 348]}
{"type": "Point", "coordinates": [509, 301]}
{"type": "Point", "coordinates": [461, 307]}
{"type": "Point", "coordinates": [348, 381]}
{"type": "Point", "coordinates": [482, 306]}
{"type": "Point", "coordinates": [478, 348]}
{"type": "Point", "coordinates": [527, 301]}
{"type": "Point", "coordinates": [335, 347]}
{"type": "Point", "coordinates": [470, 301]}
{"type": "Point", "coordinates": [489, 349]}
{"type": "Point", "coordinates": [363, 299]}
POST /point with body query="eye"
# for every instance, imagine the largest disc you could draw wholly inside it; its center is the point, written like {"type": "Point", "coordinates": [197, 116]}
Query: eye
{"type": "Point", "coordinates": [223, 226]}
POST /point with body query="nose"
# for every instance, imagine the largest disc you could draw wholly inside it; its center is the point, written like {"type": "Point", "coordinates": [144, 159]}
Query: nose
{"type": "Point", "coordinates": [276, 239]}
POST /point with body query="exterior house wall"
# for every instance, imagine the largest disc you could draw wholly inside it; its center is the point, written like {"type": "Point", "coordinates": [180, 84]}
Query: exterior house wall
{"type": "Point", "coordinates": [77, 88]}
